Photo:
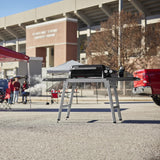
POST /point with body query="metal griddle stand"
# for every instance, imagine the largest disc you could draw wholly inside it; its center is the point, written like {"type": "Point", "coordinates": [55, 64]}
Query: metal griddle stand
{"type": "Point", "coordinates": [108, 83]}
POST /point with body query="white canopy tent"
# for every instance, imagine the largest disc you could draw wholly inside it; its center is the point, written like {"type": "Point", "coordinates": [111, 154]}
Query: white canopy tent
{"type": "Point", "coordinates": [63, 68]}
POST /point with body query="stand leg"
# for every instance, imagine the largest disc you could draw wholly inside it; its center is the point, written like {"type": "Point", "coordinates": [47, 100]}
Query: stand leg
{"type": "Point", "coordinates": [117, 103]}
{"type": "Point", "coordinates": [65, 83]}
{"type": "Point", "coordinates": [111, 101]}
{"type": "Point", "coordinates": [70, 101]}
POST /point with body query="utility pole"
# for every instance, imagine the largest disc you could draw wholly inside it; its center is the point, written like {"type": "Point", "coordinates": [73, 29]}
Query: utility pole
{"type": "Point", "coordinates": [120, 7]}
{"type": "Point", "coordinates": [119, 32]}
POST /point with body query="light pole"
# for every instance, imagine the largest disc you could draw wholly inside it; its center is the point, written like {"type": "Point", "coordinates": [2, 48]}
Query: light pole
{"type": "Point", "coordinates": [119, 32]}
{"type": "Point", "coordinates": [120, 6]}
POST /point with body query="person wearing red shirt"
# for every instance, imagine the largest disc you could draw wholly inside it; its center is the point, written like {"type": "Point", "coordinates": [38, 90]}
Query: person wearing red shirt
{"type": "Point", "coordinates": [16, 87]}
{"type": "Point", "coordinates": [10, 87]}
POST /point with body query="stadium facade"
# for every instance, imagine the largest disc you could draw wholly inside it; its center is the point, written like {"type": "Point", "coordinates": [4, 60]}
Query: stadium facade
{"type": "Point", "coordinates": [57, 32]}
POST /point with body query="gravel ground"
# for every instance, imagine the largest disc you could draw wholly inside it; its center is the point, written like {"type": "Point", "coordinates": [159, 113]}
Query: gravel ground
{"type": "Point", "coordinates": [89, 134]}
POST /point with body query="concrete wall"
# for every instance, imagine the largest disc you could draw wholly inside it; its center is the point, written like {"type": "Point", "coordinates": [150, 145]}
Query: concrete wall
{"type": "Point", "coordinates": [11, 69]}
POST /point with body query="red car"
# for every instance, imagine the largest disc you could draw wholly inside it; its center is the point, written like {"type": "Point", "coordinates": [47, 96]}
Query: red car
{"type": "Point", "coordinates": [149, 83]}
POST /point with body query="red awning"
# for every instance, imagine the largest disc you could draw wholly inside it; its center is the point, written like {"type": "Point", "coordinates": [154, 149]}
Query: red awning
{"type": "Point", "coordinates": [7, 55]}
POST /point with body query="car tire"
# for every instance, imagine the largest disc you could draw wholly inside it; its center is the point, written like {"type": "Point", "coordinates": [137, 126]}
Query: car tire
{"type": "Point", "coordinates": [156, 99]}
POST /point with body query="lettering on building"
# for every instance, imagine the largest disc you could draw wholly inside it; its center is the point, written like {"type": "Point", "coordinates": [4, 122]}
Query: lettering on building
{"type": "Point", "coordinates": [45, 34]}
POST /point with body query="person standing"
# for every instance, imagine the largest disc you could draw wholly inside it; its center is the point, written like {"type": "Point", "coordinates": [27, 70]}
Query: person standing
{"type": "Point", "coordinates": [24, 94]}
{"type": "Point", "coordinates": [10, 87]}
{"type": "Point", "coordinates": [16, 87]}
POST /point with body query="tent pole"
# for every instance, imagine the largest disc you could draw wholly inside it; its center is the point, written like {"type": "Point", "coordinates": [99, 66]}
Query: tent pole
{"type": "Point", "coordinates": [29, 81]}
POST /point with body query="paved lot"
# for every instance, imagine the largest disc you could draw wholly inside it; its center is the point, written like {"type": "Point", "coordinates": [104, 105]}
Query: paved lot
{"type": "Point", "coordinates": [89, 134]}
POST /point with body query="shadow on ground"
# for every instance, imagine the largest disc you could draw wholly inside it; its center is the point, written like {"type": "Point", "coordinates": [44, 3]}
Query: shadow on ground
{"type": "Point", "coordinates": [136, 102]}
{"type": "Point", "coordinates": [56, 110]}
{"type": "Point", "coordinates": [142, 121]}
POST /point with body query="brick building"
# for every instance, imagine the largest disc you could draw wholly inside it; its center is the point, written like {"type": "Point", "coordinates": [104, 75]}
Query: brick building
{"type": "Point", "coordinates": [55, 41]}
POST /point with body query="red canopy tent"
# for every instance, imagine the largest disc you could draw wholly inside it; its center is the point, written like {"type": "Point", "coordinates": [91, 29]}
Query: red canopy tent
{"type": "Point", "coordinates": [7, 55]}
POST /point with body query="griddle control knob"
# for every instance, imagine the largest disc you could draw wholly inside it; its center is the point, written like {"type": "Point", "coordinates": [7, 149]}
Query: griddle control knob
{"type": "Point", "coordinates": [110, 71]}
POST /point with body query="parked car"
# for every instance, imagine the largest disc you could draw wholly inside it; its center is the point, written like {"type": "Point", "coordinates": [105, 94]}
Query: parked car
{"type": "Point", "coordinates": [3, 87]}
{"type": "Point", "coordinates": [149, 83]}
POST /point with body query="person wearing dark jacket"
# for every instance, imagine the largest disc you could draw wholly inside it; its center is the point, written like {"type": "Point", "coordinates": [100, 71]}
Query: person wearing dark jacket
{"type": "Point", "coordinates": [24, 93]}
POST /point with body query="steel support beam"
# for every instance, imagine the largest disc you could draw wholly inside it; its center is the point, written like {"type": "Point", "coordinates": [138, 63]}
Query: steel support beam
{"type": "Point", "coordinates": [83, 17]}
{"type": "Point", "coordinates": [105, 9]}
{"type": "Point", "coordinates": [14, 35]}
{"type": "Point", "coordinates": [10, 31]}
{"type": "Point", "coordinates": [22, 27]}
{"type": "Point", "coordinates": [138, 5]}
{"type": "Point", "coordinates": [2, 38]}
{"type": "Point", "coordinates": [67, 15]}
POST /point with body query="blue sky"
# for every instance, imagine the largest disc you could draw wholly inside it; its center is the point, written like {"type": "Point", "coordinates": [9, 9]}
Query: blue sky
{"type": "Point", "coordinates": [9, 7]}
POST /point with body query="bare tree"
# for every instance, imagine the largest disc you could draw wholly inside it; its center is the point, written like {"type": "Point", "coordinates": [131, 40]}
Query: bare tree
{"type": "Point", "coordinates": [138, 44]}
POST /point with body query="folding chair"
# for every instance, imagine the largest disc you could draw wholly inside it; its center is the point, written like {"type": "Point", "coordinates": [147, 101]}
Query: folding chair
{"type": "Point", "coordinates": [54, 96]}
